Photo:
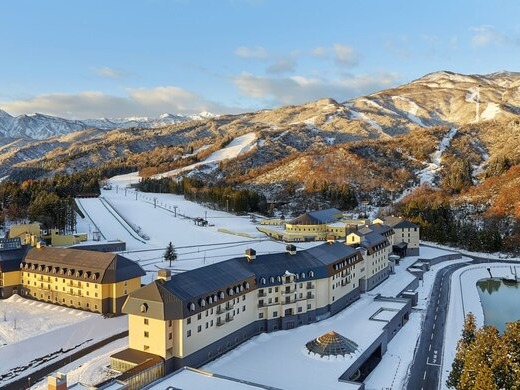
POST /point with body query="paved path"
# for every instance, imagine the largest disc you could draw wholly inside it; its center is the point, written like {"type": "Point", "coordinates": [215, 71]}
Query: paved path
{"type": "Point", "coordinates": [425, 372]}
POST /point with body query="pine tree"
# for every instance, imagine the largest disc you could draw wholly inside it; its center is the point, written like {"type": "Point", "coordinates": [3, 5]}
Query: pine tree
{"type": "Point", "coordinates": [458, 365]}
{"type": "Point", "coordinates": [170, 254]}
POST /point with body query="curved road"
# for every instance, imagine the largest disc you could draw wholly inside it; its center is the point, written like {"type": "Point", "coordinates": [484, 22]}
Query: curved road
{"type": "Point", "coordinates": [425, 372]}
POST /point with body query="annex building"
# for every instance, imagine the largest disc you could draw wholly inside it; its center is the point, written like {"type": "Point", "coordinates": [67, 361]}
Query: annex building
{"type": "Point", "coordinates": [191, 318]}
{"type": "Point", "coordinates": [87, 280]}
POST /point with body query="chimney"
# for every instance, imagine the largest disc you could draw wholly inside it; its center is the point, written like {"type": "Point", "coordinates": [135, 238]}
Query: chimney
{"type": "Point", "coordinates": [291, 249]}
{"type": "Point", "coordinates": [164, 274]}
{"type": "Point", "coordinates": [58, 382]}
{"type": "Point", "coordinates": [250, 254]}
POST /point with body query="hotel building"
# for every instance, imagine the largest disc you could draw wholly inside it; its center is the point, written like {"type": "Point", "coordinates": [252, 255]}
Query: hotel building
{"type": "Point", "coordinates": [195, 316]}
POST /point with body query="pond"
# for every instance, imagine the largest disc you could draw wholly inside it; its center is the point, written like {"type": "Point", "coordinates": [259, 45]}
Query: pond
{"type": "Point", "coordinates": [500, 301]}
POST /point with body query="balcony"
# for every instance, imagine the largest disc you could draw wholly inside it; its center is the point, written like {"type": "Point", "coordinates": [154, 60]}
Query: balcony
{"type": "Point", "coordinates": [220, 322]}
{"type": "Point", "coordinates": [309, 296]}
{"type": "Point", "coordinates": [310, 286]}
{"type": "Point", "coordinates": [229, 318]}
{"type": "Point", "coordinates": [291, 290]}
{"type": "Point", "coordinates": [262, 295]}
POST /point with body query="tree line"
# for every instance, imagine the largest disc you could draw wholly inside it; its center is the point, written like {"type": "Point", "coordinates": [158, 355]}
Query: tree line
{"type": "Point", "coordinates": [432, 211]}
{"type": "Point", "coordinates": [220, 196]}
{"type": "Point", "coordinates": [485, 359]}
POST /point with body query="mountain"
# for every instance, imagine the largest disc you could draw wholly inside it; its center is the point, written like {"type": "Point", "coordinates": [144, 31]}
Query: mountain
{"type": "Point", "coordinates": [40, 126]}
{"type": "Point", "coordinates": [444, 129]}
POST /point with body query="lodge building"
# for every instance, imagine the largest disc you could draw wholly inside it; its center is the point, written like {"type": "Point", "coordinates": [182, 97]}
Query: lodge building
{"type": "Point", "coordinates": [87, 280]}
{"type": "Point", "coordinates": [190, 318]}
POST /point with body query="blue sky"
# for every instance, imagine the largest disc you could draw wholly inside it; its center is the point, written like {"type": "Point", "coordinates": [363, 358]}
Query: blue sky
{"type": "Point", "coordinates": [88, 59]}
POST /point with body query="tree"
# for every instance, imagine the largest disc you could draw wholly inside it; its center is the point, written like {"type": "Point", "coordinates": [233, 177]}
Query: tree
{"type": "Point", "coordinates": [170, 254]}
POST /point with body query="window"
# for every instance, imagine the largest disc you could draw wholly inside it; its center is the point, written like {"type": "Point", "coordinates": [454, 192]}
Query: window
{"type": "Point", "coordinates": [207, 324]}
{"type": "Point", "coordinates": [170, 323]}
{"type": "Point", "coordinates": [199, 328]}
{"type": "Point", "coordinates": [299, 309]}
{"type": "Point", "coordinates": [188, 333]}
{"type": "Point", "coordinates": [188, 321]}
{"type": "Point", "coordinates": [170, 336]}
{"type": "Point", "coordinates": [275, 314]}
{"type": "Point", "coordinates": [243, 297]}
{"type": "Point", "coordinates": [211, 323]}
{"type": "Point", "coordinates": [199, 316]}
{"type": "Point", "coordinates": [243, 308]}
{"type": "Point", "coordinates": [146, 334]}
{"type": "Point", "coordinates": [260, 315]}
{"type": "Point", "coordinates": [146, 321]}
{"type": "Point", "coordinates": [270, 290]}
{"type": "Point", "coordinates": [146, 348]}
{"type": "Point", "coordinates": [309, 306]}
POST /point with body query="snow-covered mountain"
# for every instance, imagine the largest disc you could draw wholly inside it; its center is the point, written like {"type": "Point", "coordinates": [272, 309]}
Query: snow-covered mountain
{"type": "Point", "coordinates": [39, 126]}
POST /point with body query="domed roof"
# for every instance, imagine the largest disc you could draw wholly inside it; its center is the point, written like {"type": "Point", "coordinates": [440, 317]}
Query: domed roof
{"type": "Point", "coordinates": [331, 343]}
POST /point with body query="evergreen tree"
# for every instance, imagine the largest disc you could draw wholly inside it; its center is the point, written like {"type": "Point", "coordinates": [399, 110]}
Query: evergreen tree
{"type": "Point", "coordinates": [170, 254]}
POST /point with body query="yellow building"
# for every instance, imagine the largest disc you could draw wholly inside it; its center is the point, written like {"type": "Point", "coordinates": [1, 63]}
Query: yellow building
{"type": "Point", "coordinates": [29, 233]}
{"type": "Point", "coordinates": [87, 280]}
{"type": "Point", "coordinates": [12, 252]}
{"type": "Point", "coordinates": [319, 225]}
{"type": "Point", "coordinates": [195, 316]}
{"type": "Point", "coordinates": [407, 235]}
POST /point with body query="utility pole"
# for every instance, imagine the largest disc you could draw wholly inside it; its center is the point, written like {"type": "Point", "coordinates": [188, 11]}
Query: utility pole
{"type": "Point", "coordinates": [174, 211]}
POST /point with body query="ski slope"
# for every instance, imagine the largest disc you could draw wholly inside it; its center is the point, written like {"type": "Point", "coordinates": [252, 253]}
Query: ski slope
{"type": "Point", "coordinates": [110, 225]}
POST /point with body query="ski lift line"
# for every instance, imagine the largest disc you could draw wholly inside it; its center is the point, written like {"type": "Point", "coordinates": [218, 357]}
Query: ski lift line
{"type": "Point", "coordinates": [202, 245]}
{"type": "Point", "coordinates": [226, 255]}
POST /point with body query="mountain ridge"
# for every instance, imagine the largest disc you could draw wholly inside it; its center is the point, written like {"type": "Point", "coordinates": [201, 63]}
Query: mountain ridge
{"type": "Point", "coordinates": [40, 126]}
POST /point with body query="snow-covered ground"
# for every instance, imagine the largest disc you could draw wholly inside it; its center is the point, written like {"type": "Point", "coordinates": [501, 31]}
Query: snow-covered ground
{"type": "Point", "coordinates": [238, 146]}
{"type": "Point", "coordinates": [428, 174]}
{"type": "Point", "coordinates": [36, 331]}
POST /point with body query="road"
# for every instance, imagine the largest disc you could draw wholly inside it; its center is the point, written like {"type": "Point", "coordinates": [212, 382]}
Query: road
{"type": "Point", "coordinates": [425, 372]}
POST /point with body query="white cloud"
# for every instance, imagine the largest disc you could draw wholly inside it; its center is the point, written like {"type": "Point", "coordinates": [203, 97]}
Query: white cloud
{"type": "Point", "coordinates": [486, 35]}
{"type": "Point", "coordinates": [345, 55]}
{"type": "Point", "coordinates": [246, 52]}
{"type": "Point", "coordinates": [342, 55]}
{"type": "Point", "coordinates": [109, 72]}
{"type": "Point", "coordinates": [300, 89]}
{"type": "Point", "coordinates": [138, 102]}
{"type": "Point", "coordinates": [282, 65]}
{"type": "Point", "coordinates": [319, 52]}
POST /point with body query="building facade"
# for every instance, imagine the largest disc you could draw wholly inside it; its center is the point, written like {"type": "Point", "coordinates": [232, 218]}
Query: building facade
{"type": "Point", "coordinates": [193, 317]}
{"type": "Point", "coordinates": [87, 280]}
{"type": "Point", "coordinates": [406, 237]}
{"type": "Point", "coordinates": [12, 252]}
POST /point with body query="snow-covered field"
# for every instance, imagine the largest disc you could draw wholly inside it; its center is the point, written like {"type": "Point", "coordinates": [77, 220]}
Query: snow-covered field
{"type": "Point", "coordinates": [35, 331]}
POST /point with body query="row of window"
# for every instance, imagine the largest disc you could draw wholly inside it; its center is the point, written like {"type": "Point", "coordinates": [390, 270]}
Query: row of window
{"type": "Point", "coordinates": [61, 271]}
{"type": "Point", "coordinates": [48, 279]}
{"type": "Point", "coordinates": [297, 276]}
{"type": "Point", "coordinates": [219, 296]}
{"type": "Point", "coordinates": [71, 290]}
{"type": "Point", "coordinates": [63, 301]}
{"type": "Point", "coordinates": [210, 323]}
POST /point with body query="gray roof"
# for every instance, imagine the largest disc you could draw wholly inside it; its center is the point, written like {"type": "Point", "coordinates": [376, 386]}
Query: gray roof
{"type": "Point", "coordinates": [318, 217]}
{"type": "Point", "coordinates": [109, 267]}
{"type": "Point", "coordinates": [399, 223]}
{"type": "Point", "coordinates": [235, 276]}
{"type": "Point", "coordinates": [10, 259]}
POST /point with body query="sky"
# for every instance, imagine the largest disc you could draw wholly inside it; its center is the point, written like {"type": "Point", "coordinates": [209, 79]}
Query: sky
{"type": "Point", "coordinates": [132, 58]}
